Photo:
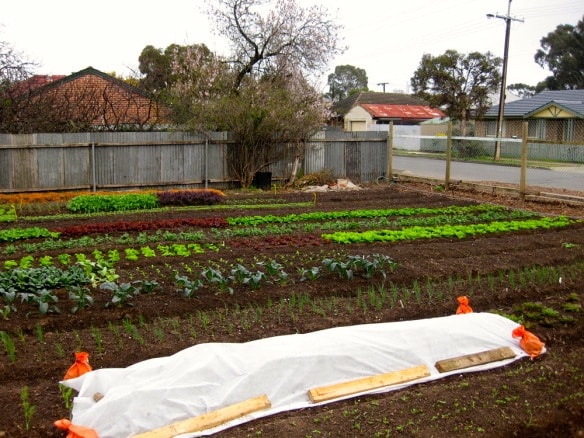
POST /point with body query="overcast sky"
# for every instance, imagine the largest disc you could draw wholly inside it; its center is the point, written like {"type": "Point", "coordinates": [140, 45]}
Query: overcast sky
{"type": "Point", "coordinates": [386, 38]}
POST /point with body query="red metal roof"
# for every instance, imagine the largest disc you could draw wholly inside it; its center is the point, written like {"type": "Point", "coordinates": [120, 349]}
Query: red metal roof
{"type": "Point", "coordinates": [402, 112]}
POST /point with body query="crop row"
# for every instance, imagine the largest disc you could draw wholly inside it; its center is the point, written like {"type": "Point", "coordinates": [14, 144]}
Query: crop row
{"type": "Point", "coordinates": [446, 231]}
{"type": "Point", "coordinates": [143, 201]}
{"type": "Point", "coordinates": [342, 218]}
{"type": "Point", "coordinates": [354, 214]}
{"type": "Point", "coordinates": [39, 286]}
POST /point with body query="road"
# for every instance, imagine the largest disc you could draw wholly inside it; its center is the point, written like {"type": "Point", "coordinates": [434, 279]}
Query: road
{"type": "Point", "coordinates": [570, 178]}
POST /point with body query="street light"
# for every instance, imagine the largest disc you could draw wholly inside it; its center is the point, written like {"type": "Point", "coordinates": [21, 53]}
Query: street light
{"type": "Point", "coordinates": [508, 20]}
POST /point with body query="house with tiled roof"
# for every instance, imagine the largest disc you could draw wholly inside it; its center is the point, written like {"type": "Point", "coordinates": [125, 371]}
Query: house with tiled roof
{"type": "Point", "coordinates": [553, 115]}
{"type": "Point", "coordinates": [88, 100]}
{"type": "Point", "coordinates": [366, 110]}
{"type": "Point", "coordinates": [34, 82]}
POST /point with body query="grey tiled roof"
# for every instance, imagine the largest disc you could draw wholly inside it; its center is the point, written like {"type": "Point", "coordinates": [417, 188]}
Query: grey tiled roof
{"type": "Point", "coordinates": [571, 100]}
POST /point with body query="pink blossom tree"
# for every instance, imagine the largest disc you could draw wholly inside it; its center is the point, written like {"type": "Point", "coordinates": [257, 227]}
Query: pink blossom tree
{"type": "Point", "coordinates": [261, 92]}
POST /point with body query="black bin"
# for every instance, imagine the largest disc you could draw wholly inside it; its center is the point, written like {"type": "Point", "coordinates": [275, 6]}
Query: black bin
{"type": "Point", "coordinates": [262, 180]}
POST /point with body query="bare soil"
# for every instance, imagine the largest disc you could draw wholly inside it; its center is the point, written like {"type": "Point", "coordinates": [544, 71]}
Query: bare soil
{"type": "Point", "coordinates": [539, 398]}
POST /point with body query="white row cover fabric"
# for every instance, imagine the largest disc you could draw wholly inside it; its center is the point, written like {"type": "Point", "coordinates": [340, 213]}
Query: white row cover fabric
{"type": "Point", "coordinates": [206, 377]}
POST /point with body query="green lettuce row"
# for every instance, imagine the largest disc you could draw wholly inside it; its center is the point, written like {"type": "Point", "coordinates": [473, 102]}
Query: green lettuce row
{"type": "Point", "coordinates": [13, 234]}
{"type": "Point", "coordinates": [100, 203]}
{"type": "Point", "coordinates": [459, 231]}
{"type": "Point", "coordinates": [331, 215]}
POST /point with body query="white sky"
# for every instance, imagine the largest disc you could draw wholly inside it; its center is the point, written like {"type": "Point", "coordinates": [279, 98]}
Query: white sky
{"type": "Point", "coordinates": [387, 38]}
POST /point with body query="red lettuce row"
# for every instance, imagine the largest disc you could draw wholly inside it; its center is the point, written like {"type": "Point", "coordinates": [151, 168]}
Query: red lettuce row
{"type": "Point", "coordinates": [126, 226]}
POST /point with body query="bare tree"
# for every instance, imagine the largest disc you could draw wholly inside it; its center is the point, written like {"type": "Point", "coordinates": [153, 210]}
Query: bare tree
{"type": "Point", "coordinates": [307, 38]}
{"type": "Point", "coordinates": [260, 92]}
{"type": "Point", "coordinates": [14, 68]}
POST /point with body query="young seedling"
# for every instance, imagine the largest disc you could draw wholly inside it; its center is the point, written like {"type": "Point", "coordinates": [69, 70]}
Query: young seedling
{"type": "Point", "coordinates": [27, 407]}
{"type": "Point", "coordinates": [98, 338]}
{"type": "Point", "coordinates": [67, 396]}
{"type": "Point", "coordinates": [9, 345]}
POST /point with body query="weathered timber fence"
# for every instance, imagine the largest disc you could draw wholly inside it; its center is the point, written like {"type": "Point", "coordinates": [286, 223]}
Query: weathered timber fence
{"type": "Point", "coordinates": [133, 160]}
{"type": "Point", "coordinates": [118, 161]}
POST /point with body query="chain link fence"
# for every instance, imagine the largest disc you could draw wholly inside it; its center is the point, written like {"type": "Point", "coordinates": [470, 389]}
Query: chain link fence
{"type": "Point", "coordinates": [531, 160]}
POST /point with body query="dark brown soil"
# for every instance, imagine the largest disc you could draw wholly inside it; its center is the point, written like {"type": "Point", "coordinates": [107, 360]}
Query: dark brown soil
{"type": "Point", "coordinates": [539, 398]}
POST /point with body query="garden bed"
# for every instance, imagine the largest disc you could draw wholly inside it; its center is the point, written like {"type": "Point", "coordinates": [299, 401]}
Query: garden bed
{"type": "Point", "coordinates": [531, 275]}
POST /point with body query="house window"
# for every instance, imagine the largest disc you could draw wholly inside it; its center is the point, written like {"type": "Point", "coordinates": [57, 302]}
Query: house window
{"type": "Point", "coordinates": [536, 128]}
{"type": "Point", "coordinates": [568, 130]}
{"type": "Point", "coordinates": [491, 128]}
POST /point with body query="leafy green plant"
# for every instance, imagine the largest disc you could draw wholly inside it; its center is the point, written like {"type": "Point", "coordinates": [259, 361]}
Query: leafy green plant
{"type": "Point", "coordinates": [8, 213]}
{"type": "Point", "coordinates": [246, 277]}
{"type": "Point", "coordinates": [98, 271]}
{"type": "Point", "coordinates": [122, 294]}
{"type": "Point", "coordinates": [8, 295]}
{"type": "Point", "coordinates": [147, 251]}
{"type": "Point", "coordinates": [274, 270]}
{"type": "Point", "coordinates": [187, 287]}
{"type": "Point", "coordinates": [148, 286]}
{"type": "Point", "coordinates": [343, 269]}
{"type": "Point", "coordinates": [44, 298]}
{"type": "Point", "coordinates": [131, 254]}
{"type": "Point", "coordinates": [309, 273]}
{"type": "Point", "coordinates": [64, 259]}
{"type": "Point", "coordinates": [26, 262]}
{"type": "Point", "coordinates": [81, 296]}
{"type": "Point", "coordinates": [10, 264]}
{"type": "Point", "coordinates": [215, 277]}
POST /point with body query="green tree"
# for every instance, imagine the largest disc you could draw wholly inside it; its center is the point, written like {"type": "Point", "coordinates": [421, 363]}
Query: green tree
{"type": "Point", "coordinates": [260, 92]}
{"type": "Point", "coordinates": [155, 65]}
{"type": "Point", "coordinates": [459, 84]}
{"type": "Point", "coordinates": [522, 90]}
{"type": "Point", "coordinates": [346, 79]}
{"type": "Point", "coordinates": [562, 52]}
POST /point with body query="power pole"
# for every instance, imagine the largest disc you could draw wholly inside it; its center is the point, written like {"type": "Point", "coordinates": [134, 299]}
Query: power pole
{"type": "Point", "coordinates": [383, 84]}
{"type": "Point", "coordinates": [508, 20]}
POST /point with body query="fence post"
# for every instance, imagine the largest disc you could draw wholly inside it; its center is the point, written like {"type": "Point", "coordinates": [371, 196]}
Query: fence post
{"type": "Point", "coordinates": [389, 171]}
{"type": "Point", "coordinates": [523, 176]}
{"type": "Point", "coordinates": [93, 176]}
{"type": "Point", "coordinates": [206, 162]}
{"type": "Point", "coordinates": [448, 155]}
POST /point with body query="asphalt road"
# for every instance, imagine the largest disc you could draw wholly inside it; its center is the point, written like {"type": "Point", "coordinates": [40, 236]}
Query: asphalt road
{"type": "Point", "coordinates": [570, 178]}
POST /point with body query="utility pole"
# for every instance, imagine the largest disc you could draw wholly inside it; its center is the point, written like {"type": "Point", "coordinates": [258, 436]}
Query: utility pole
{"type": "Point", "coordinates": [383, 84]}
{"type": "Point", "coordinates": [508, 20]}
